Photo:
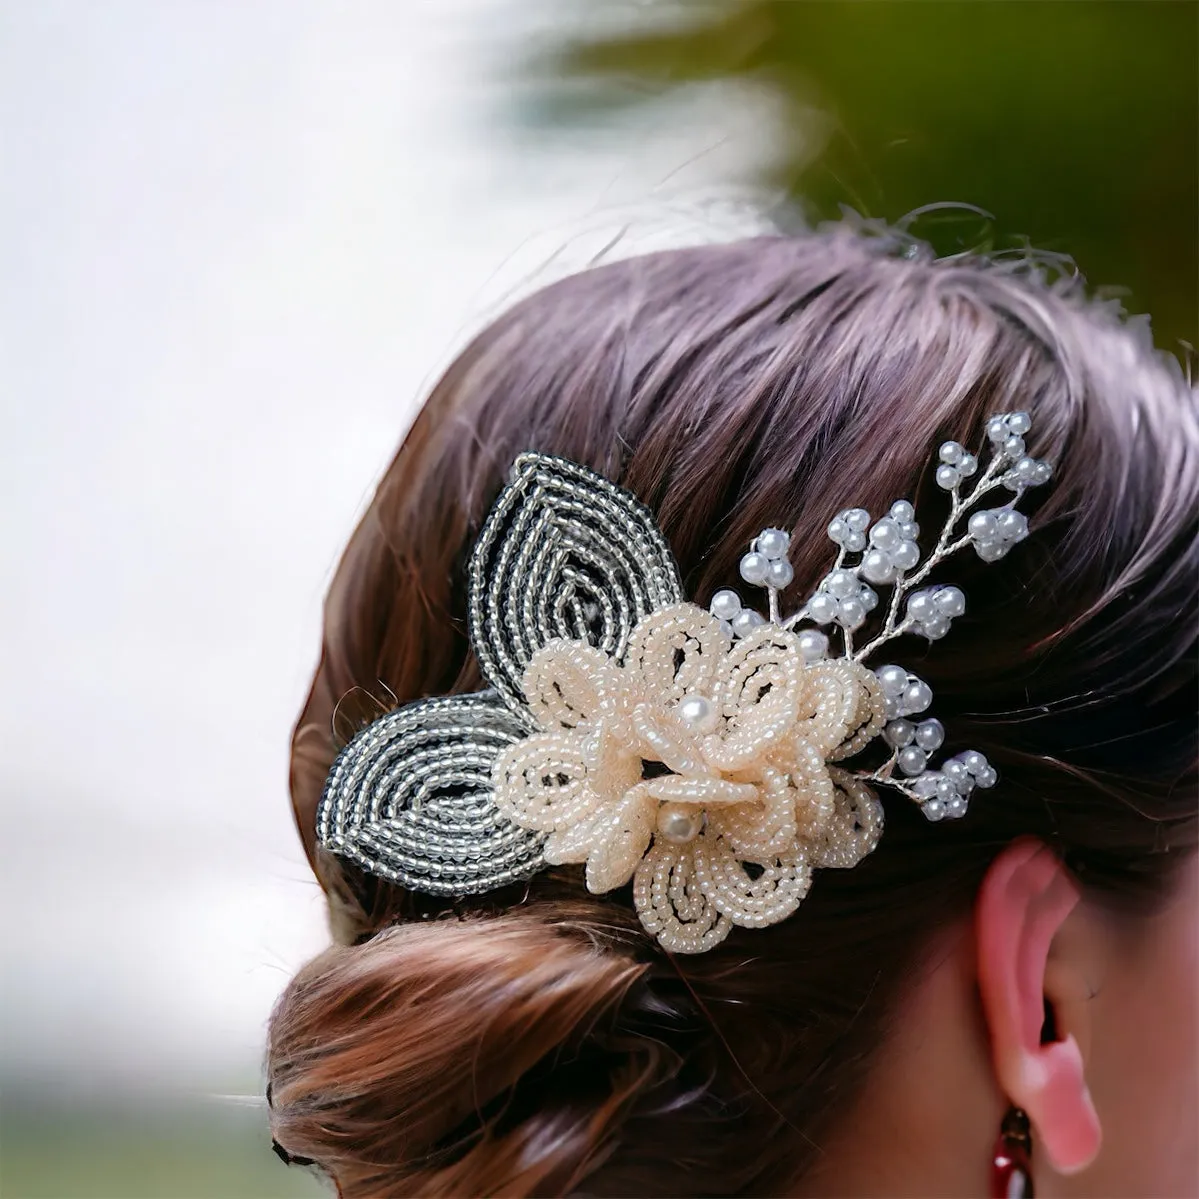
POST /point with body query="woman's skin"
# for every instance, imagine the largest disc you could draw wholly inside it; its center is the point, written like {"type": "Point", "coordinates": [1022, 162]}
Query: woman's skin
{"type": "Point", "coordinates": [1113, 1099]}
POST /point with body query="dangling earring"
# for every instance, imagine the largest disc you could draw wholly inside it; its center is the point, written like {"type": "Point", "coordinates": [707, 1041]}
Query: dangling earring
{"type": "Point", "coordinates": [1011, 1167]}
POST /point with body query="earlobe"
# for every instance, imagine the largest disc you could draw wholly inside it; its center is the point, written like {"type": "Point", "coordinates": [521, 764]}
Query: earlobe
{"type": "Point", "coordinates": [1025, 899]}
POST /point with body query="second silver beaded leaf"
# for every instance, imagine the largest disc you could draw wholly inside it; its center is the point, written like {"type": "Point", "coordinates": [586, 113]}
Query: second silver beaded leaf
{"type": "Point", "coordinates": [564, 553]}
{"type": "Point", "coordinates": [409, 799]}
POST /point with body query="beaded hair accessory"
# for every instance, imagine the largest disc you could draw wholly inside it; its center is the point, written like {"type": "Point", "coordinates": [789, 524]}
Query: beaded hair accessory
{"type": "Point", "coordinates": [706, 756]}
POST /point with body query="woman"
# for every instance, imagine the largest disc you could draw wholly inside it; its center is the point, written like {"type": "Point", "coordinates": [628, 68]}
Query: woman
{"type": "Point", "coordinates": [980, 1005]}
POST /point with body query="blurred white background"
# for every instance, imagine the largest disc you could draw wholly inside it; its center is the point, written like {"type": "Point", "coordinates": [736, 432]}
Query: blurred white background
{"type": "Point", "coordinates": [239, 238]}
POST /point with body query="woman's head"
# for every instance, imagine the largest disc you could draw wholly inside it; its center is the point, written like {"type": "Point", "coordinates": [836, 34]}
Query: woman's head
{"type": "Point", "coordinates": [537, 1041]}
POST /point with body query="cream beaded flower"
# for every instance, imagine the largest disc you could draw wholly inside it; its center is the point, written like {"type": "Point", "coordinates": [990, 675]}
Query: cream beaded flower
{"type": "Point", "coordinates": [713, 752]}
{"type": "Point", "coordinates": [689, 751]}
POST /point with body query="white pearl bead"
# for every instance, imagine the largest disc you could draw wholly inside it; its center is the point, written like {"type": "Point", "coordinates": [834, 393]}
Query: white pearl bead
{"type": "Point", "coordinates": [997, 430]}
{"type": "Point", "coordinates": [754, 567]}
{"type": "Point", "coordinates": [878, 567]}
{"type": "Point", "coordinates": [1013, 525]}
{"type": "Point", "coordinates": [746, 621]}
{"type": "Point", "coordinates": [921, 606]}
{"type": "Point", "coordinates": [899, 733]}
{"type": "Point", "coordinates": [698, 712]}
{"type": "Point", "coordinates": [987, 777]}
{"type": "Point", "coordinates": [855, 542]}
{"type": "Point", "coordinates": [1013, 447]}
{"type": "Point", "coordinates": [990, 551]}
{"type": "Point", "coordinates": [902, 511]}
{"type": "Point", "coordinates": [935, 627]}
{"type": "Point", "coordinates": [868, 598]}
{"type": "Point", "coordinates": [973, 761]}
{"type": "Point", "coordinates": [912, 759]}
{"type": "Point", "coordinates": [916, 697]}
{"type": "Point", "coordinates": [1026, 470]}
{"type": "Point", "coordinates": [813, 644]}
{"type": "Point", "coordinates": [678, 823]}
{"type": "Point", "coordinates": [967, 466]}
{"type": "Point", "coordinates": [950, 601]}
{"type": "Point", "coordinates": [858, 519]}
{"type": "Point", "coordinates": [842, 584]}
{"type": "Point", "coordinates": [822, 608]}
{"type": "Point", "coordinates": [933, 809]}
{"type": "Point", "coordinates": [951, 452]}
{"type": "Point", "coordinates": [838, 530]}
{"type": "Point", "coordinates": [983, 526]}
{"type": "Point", "coordinates": [926, 785]}
{"type": "Point", "coordinates": [892, 679]}
{"type": "Point", "coordinates": [910, 529]}
{"type": "Point", "coordinates": [905, 555]}
{"type": "Point", "coordinates": [1042, 475]}
{"type": "Point", "coordinates": [955, 771]}
{"type": "Point", "coordinates": [930, 735]}
{"type": "Point", "coordinates": [947, 477]}
{"type": "Point", "coordinates": [725, 604]}
{"type": "Point", "coordinates": [955, 809]}
{"type": "Point", "coordinates": [773, 542]}
{"type": "Point", "coordinates": [851, 614]}
{"type": "Point", "coordinates": [779, 574]}
{"type": "Point", "coordinates": [1019, 423]}
{"type": "Point", "coordinates": [885, 534]}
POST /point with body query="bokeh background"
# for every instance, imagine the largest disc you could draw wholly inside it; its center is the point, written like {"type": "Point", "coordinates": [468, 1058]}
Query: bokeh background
{"type": "Point", "coordinates": [238, 239]}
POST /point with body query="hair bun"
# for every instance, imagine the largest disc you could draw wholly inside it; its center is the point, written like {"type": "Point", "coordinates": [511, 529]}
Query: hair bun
{"type": "Point", "coordinates": [397, 1064]}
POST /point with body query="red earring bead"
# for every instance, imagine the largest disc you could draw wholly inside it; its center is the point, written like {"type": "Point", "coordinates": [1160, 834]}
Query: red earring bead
{"type": "Point", "coordinates": [1011, 1167]}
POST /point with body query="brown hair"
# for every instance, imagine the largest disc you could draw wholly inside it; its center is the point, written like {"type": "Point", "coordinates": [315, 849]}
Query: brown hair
{"type": "Point", "coordinates": [537, 1042]}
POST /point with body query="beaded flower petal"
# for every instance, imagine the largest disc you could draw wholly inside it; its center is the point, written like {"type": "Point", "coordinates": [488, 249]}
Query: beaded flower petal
{"type": "Point", "coordinates": [692, 753]}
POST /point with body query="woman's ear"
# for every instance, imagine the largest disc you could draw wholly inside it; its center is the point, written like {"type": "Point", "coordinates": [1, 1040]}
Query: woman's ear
{"type": "Point", "coordinates": [1039, 1028]}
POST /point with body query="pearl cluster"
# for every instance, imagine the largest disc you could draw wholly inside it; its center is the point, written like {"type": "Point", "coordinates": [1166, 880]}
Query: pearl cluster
{"type": "Point", "coordinates": [843, 599]}
{"type": "Point", "coordinates": [911, 742]}
{"type": "Point", "coordinates": [957, 465]}
{"type": "Point", "coordinates": [914, 742]}
{"type": "Point", "coordinates": [735, 620]}
{"type": "Point", "coordinates": [993, 532]}
{"type": "Point", "coordinates": [848, 529]}
{"type": "Point", "coordinates": [893, 549]}
{"type": "Point", "coordinates": [766, 563]}
{"type": "Point", "coordinates": [1006, 434]}
{"type": "Point", "coordinates": [942, 792]}
{"type": "Point", "coordinates": [903, 693]}
{"type": "Point", "coordinates": [931, 611]}
{"type": "Point", "coordinates": [945, 793]}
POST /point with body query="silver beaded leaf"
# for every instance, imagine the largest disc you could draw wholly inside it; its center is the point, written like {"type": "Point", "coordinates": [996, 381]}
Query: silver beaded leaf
{"type": "Point", "coordinates": [564, 553]}
{"type": "Point", "coordinates": [409, 799]}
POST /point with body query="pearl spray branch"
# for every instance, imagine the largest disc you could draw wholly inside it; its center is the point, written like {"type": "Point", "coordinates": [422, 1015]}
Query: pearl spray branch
{"type": "Point", "coordinates": [888, 554]}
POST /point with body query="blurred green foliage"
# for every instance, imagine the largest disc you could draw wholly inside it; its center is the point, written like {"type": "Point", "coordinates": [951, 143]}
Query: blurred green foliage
{"type": "Point", "coordinates": [1075, 123]}
{"type": "Point", "coordinates": [141, 1148]}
